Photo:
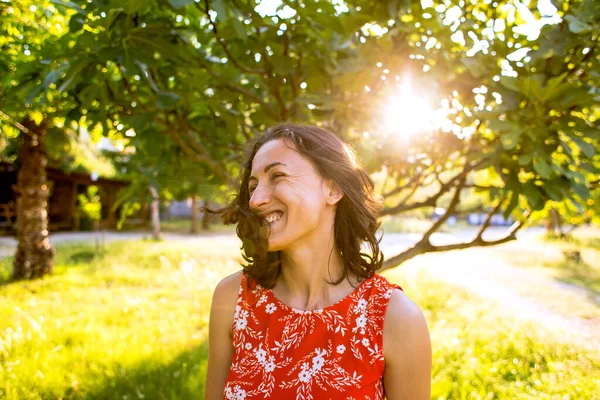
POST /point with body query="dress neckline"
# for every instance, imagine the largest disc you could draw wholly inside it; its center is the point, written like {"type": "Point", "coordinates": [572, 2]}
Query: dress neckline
{"type": "Point", "coordinates": [349, 296]}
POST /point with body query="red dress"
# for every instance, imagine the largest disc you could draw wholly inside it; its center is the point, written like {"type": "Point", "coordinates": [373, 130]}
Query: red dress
{"type": "Point", "coordinates": [332, 353]}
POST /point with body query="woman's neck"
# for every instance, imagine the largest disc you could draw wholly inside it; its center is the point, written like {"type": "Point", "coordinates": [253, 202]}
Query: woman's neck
{"type": "Point", "coordinates": [304, 275]}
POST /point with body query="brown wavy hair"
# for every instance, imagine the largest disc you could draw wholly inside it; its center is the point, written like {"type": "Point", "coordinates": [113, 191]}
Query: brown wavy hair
{"type": "Point", "coordinates": [356, 214]}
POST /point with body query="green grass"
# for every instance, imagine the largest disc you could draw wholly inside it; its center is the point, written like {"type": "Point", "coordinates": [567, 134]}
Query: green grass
{"type": "Point", "coordinates": [131, 323]}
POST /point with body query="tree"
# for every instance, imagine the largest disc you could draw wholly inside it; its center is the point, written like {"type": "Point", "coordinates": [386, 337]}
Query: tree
{"type": "Point", "coordinates": [25, 39]}
{"type": "Point", "coordinates": [209, 75]}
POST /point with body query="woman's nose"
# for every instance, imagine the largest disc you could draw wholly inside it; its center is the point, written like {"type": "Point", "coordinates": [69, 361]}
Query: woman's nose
{"type": "Point", "coordinates": [260, 197]}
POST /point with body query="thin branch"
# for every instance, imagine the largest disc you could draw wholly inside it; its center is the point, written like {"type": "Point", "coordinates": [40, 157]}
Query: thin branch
{"type": "Point", "coordinates": [221, 43]}
{"type": "Point", "coordinates": [488, 219]}
{"type": "Point", "coordinates": [413, 181]}
{"type": "Point", "coordinates": [16, 124]}
{"type": "Point", "coordinates": [449, 211]}
{"type": "Point", "coordinates": [247, 93]}
{"type": "Point", "coordinates": [194, 154]}
{"type": "Point", "coordinates": [130, 89]}
{"type": "Point", "coordinates": [294, 82]}
{"type": "Point", "coordinates": [482, 187]}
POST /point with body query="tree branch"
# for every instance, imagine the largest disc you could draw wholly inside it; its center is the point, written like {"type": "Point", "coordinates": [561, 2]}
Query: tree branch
{"type": "Point", "coordinates": [427, 247]}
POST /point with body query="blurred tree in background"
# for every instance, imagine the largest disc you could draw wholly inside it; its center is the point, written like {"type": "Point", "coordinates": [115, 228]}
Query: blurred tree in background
{"type": "Point", "coordinates": [440, 98]}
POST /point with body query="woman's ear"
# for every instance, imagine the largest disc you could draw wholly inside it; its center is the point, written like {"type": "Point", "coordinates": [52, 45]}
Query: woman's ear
{"type": "Point", "coordinates": [333, 193]}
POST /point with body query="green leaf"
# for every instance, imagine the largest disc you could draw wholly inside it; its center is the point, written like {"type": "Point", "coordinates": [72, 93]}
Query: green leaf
{"type": "Point", "coordinates": [353, 22]}
{"type": "Point", "coordinates": [474, 66]}
{"type": "Point", "coordinates": [510, 83]}
{"type": "Point", "coordinates": [220, 7]}
{"type": "Point", "coordinates": [581, 190]}
{"type": "Point", "coordinates": [283, 65]}
{"type": "Point", "coordinates": [514, 200]}
{"type": "Point", "coordinates": [587, 148]}
{"type": "Point", "coordinates": [180, 3]}
{"type": "Point", "coordinates": [531, 87]}
{"type": "Point", "coordinates": [576, 25]}
{"type": "Point", "coordinates": [70, 5]}
{"type": "Point", "coordinates": [509, 140]}
{"type": "Point", "coordinates": [167, 101]}
{"type": "Point", "coordinates": [239, 28]}
{"type": "Point", "coordinates": [76, 23]}
{"type": "Point", "coordinates": [52, 77]}
{"type": "Point", "coordinates": [534, 198]}
{"type": "Point", "coordinates": [575, 97]}
{"type": "Point", "coordinates": [554, 190]}
{"type": "Point", "coordinates": [590, 168]}
{"type": "Point", "coordinates": [33, 93]}
{"type": "Point", "coordinates": [135, 6]}
{"type": "Point", "coordinates": [525, 159]}
{"type": "Point", "coordinates": [542, 167]}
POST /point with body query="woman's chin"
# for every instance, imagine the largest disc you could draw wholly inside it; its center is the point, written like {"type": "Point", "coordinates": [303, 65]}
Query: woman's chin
{"type": "Point", "coordinates": [275, 245]}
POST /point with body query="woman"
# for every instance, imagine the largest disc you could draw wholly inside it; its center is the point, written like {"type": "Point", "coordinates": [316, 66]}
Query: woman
{"type": "Point", "coordinates": [305, 317]}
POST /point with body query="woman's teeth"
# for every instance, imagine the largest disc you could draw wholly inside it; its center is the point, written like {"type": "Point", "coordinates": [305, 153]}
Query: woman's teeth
{"type": "Point", "coordinates": [273, 217]}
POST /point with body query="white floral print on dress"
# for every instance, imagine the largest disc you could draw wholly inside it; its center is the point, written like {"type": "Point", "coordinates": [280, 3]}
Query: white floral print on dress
{"type": "Point", "coordinates": [270, 308]}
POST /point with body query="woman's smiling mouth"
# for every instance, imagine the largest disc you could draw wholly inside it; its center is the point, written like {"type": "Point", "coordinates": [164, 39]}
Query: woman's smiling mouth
{"type": "Point", "coordinates": [272, 218]}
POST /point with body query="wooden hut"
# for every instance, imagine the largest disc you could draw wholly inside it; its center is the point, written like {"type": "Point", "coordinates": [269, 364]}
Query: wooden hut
{"type": "Point", "coordinates": [62, 205]}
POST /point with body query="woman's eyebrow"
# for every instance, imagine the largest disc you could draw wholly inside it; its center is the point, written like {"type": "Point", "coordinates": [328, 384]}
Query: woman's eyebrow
{"type": "Point", "coordinates": [267, 168]}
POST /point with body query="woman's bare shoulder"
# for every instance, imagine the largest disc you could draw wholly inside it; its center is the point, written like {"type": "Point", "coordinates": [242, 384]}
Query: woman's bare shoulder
{"type": "Point", "coordinates": [401, 309]}
{"type": "Point", "coordinates": [228, 288]}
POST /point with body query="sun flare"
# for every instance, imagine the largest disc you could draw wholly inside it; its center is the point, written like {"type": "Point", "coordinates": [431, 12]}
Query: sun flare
{"type": "Point", "coordinates": [409, 114]}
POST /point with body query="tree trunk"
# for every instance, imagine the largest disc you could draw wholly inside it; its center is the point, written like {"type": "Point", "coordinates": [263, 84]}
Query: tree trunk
{"type": "Point", "coordinates": [35, 255]}
{"type": "Point", "coordinates": [554, 223]}
{"type": "Point", "coordinates": [205, 217]}
{"type": "Point", "coordinates": [155, 214]}
{"type": "Point", "coordinates": [194, 228]}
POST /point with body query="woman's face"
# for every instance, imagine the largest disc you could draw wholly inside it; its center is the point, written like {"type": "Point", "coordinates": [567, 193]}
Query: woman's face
{"type": "Point", "coordinates": [288, 193]}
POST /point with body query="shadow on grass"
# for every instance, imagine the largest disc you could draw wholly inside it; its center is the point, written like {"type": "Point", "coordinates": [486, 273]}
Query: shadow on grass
{"type": "Point", "coordinates": [592, 242]}
{"type": "Point", "coordinates": [66, 256]}
{"type": "Point", "coordinates": [6, 266]}
{"type": "Point", "coordinates": [183, 378]}
{"type": "Point", "coordinates": [84, 256]}
{"type": "Point", "coordinates": [580, 274]}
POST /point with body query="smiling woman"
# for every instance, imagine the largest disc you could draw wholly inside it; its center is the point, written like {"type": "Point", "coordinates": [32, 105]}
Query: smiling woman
{"type": "Point", "coordinates": [305, 317]}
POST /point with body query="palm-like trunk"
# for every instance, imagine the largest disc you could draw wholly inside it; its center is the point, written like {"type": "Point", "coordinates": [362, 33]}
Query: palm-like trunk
{"type": "Point", "coordinates": [35, 254]}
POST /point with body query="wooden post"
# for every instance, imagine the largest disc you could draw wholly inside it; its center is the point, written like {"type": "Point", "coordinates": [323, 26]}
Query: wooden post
{"type": "Point", "coordinates": [155, 214]}
{"type": "Point", "coordinates": [110, 201]}
{"type": "Point", "coordinates": [194, 228]}
{"type": "Point", "coordinates": [74, 213]}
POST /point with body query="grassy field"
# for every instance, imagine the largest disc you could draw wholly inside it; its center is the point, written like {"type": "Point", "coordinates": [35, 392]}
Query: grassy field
{"type": "Point", "coordinates": [131, 323]}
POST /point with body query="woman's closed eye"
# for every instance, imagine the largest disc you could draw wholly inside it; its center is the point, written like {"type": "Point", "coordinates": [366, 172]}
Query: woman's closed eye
{"type": "Point", "coordinates": [275, 176]}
